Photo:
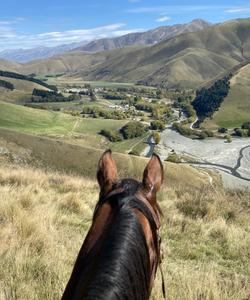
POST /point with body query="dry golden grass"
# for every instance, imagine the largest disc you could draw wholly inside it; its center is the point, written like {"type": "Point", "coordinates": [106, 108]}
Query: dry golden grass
{"type": "Point", "coordinates": [44, 217]}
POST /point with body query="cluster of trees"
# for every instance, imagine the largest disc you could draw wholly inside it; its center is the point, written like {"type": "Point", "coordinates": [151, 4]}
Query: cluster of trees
{"type": "Point", "coordinates": [157, 125]}
{"type": "Point", "coordinates": [112, 135]}
{"type": "Point", "coordinates": [29, 78]}
{"type": "Point", "coordinates": [41, 96]}
{"type": "Point", "coordinates": [245, 125]}
{"type": "Point", "coordinates": [113, 96]}
{"type": "Point", "coordinates": [7, 85]}
{"type": "Point", "coordinates": [158, 111]}
{"type": "Point", "coordinates": [244, 131]}
{"type": "Point", "coordinates": [97, 112]}
{"type": "Point", "coordinates": [190, 112]}
{"type": "Point", "coordinates": [208, 100]}
{"type": "Point", "coordinates": [133, 129]}
{"type": "Point", "coordinates": [190, 132]}
{"type": "Point", "coordinates": [222, 130]}
{"type": "Point", "coordinates": [130, 130]}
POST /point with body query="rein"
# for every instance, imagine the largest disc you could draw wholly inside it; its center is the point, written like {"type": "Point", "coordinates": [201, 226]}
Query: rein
{"type": "Point", "coordinates": [156, 218]}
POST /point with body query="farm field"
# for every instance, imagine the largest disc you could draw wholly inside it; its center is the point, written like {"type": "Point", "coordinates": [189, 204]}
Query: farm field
{"type": "Point", "coordinates": [75, 130]}
{"type": "Point", "coordinates": [63, 81]}
{"type": "Point", "coordinates": [45, 122]}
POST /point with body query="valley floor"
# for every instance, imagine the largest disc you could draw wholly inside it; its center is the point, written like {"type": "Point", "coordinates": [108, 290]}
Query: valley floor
{"type": "Point", "coordinates": [232, 160]}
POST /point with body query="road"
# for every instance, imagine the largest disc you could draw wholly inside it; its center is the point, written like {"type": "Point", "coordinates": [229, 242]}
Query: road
{"type": "Point", "coordinates": [149, 150]}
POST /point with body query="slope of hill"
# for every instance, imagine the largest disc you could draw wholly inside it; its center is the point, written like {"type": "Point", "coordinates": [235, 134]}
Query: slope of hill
{"type": "Point", "coordinates": [205, 234]}
{"type": "Point", "coordinates": [6, 65]}
{"type": "Point", "coordinates": [72, 62]}
{"type": "Point", "coordinates": [36, 121]}
{"type": "Point", "coordinates": [187, 60]}
{"type": "Point", "coordinates": [23, 87]}
{"type": "Point", "coordinates": [235, 109]}
{"type": "Point", "coordinates": [150, 37]}
{"type": "Point", "coordinates": [140, 38]}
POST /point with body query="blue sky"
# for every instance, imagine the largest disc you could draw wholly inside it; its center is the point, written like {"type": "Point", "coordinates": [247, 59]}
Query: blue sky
{"type": "Point", "coordinates": [27, 24]}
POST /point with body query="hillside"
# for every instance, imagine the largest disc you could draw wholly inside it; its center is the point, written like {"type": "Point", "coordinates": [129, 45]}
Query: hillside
{"type": "Point", "coordinates": [235, 109]}
{"type": "Point", "coordinates": [205, 234]}
{"type": "Point", "coordinates": [70, 63]}
{"type": "Point", "coordinates": [149, 37]}
{"type": "Point", "coordinates": [22, 90]}
{"type": "Point", "coordinates": [139, 38]}
{"type": "Point", "coordinates": [187, 60]}
{"type": "Point", "coordinates": [7, 65]}
{"type": "Point", "coordinates": [37, 121]}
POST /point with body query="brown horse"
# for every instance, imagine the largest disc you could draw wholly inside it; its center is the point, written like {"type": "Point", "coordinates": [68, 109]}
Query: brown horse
{"type": "Point", "coordinates": [121, 252]}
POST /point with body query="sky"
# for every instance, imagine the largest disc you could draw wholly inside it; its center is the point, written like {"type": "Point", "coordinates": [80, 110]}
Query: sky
{"type": "Point", "coordinates": [30, 23]}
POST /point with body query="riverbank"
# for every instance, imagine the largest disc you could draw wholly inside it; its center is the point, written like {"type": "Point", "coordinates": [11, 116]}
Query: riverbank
{"type": "Point", "coordinates": [232, 160]}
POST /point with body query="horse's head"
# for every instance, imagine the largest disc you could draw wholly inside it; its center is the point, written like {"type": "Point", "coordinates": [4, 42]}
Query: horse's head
{"type": "Point", "coordinates": [145, 191]}
{"type": "Point", "coordinates": [122, 247]}
{"type": "Point", "coordinates": [107, 177]}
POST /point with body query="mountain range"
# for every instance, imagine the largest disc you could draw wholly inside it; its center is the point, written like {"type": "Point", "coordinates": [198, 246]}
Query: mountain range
{"type": "Point", "coordinates": [140, 38]}
{"type": "Point", "coordinates": [26, 55]}
{"type": "Point", "coordinates": [185, 61]}
{"type": "Point", "coordinates": [150, 37]}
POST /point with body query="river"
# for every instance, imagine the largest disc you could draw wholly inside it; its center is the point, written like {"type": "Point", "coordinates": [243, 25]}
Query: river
{"type": "Point", "coordinates": [232, 160]}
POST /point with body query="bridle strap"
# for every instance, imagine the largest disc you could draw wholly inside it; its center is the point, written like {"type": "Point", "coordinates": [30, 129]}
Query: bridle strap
{"type": "Point", "coordinates": [156, 217]}
{"type": "Point", "coordinates": [160, 267]}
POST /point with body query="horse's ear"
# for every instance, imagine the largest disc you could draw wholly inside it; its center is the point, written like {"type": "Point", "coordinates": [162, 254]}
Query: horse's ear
{"type": "Point", "coordinates": [106, 173]}
{"type": "Point", "coordinates": [152, 178]}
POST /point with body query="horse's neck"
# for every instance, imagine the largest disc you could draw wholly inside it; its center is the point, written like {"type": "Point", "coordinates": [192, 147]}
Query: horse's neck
{"type": "Point", "coordinates": [119, 260]}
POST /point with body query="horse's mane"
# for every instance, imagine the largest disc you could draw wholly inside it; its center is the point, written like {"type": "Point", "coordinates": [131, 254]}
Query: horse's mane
{"type": "Point", "coordinates": [118, 266]}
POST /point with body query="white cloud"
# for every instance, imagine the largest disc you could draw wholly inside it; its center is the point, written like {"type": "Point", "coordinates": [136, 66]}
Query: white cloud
{"type": "Point", "coordinates": [238, 10]}
{"type": "Point", "coordinates": [10, 39]}
{"type": "Point", "coordinates": [173, 8]}
{"type": "Point", "coordinates": [163, 19]}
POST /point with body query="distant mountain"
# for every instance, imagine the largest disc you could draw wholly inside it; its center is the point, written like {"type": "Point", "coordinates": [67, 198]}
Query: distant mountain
{"type": "Point", "coordinates": [141, 38]}
{"type": "Point", "coordinates": [150, 37]}
{"type": "Point", "coordinates": [188, 60]}
{"type": "Point", "coordinates": [26, 55]}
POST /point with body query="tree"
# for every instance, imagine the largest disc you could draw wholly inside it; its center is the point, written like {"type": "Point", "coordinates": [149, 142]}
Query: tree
{"type": "Point", "coordinates": [157, 125]}
{"type": "Point", "coordinates": [157, 137]}
{"type": "Point", "coordinates": [92, 95]}
{"type": "Point", "coordinates": [207, 101]}
{"type": "Point", "coordinates": [222, 130]}
{"type": "Point", "coordinates": [228, 138]}
{"type": "Point", "coordinates": [132, 130]}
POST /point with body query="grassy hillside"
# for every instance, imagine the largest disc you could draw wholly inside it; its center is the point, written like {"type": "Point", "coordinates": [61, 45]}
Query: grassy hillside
{"type": "Point", "coordinates": [235, 108]}
{"type": "Point", "coordinates": [187, 60]}
{"type": "Point", "coordinates": [45, 216]}
{"type": "Point", "coordinates": [37, 121]}
{"type": "Point", "coordinates": [22, 92]}
{"type": "Point", "coordinates": [70, 62]}
{"type": "Point", "coordinates": [66, 128]}
{"type": "Point", "coordinates": [9, 65]}
{"type": "Point", "coordinates": [23, 85]}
